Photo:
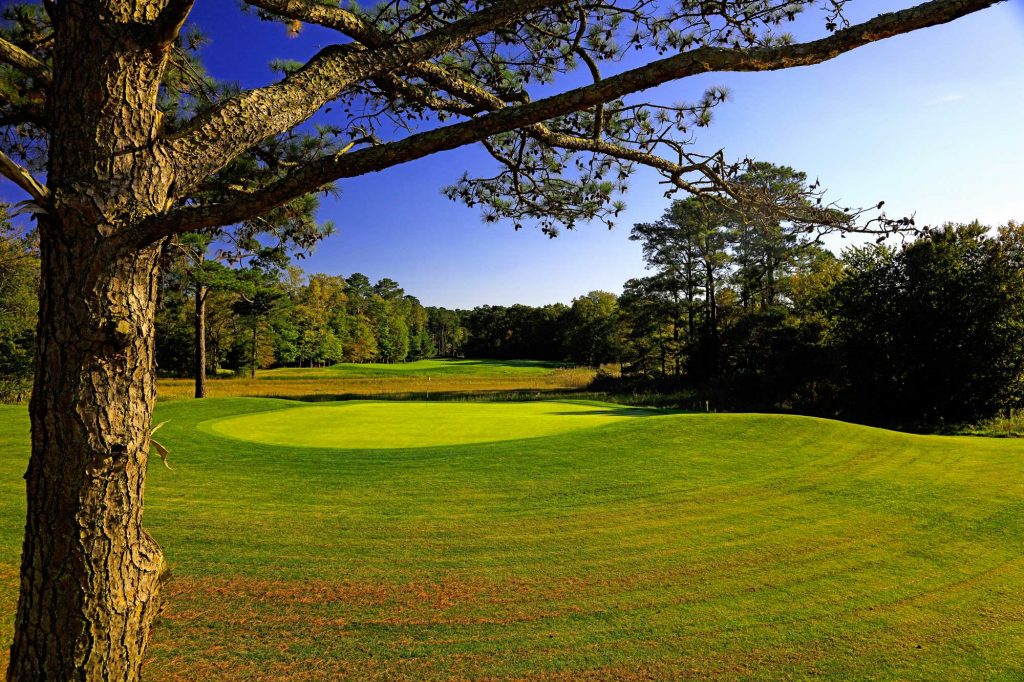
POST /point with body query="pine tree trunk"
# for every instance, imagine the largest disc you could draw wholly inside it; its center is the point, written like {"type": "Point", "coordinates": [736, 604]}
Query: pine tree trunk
{"type": "Point", "coordinates": [713, 328]}
{"type": "Point", "coordinates": [252, 368]}
{"type": "Point", "coordinates": [90, 572]}
{"type": "Point", "coordinates": [200, 341]}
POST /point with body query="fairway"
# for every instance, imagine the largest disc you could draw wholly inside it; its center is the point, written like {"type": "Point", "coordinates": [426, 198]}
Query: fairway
{"type": "Point", "coordinates": [439, 366]}
{"type": "Point", "coordinates": [420, 369]}
{"type": "Point", "coordinates": [371, 425]}
{"type": "Point", "coordinates": [420, 379]}
{"type": "Point", "coordinates": [662, 547]}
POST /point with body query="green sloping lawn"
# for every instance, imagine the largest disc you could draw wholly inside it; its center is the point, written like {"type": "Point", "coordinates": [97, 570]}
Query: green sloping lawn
{"type": "Point", "coordinates": [670, 546]}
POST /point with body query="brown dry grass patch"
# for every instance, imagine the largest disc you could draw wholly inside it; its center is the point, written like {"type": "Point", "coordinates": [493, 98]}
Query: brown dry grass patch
{"type": "Point", "coordinates": [450, 601]}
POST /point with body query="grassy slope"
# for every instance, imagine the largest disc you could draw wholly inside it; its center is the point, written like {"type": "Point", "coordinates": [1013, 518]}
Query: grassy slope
{"type": "Point", "coordinates": [746, 547]}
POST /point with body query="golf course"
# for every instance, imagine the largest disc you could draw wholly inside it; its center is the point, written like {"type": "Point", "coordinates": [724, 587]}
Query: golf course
{"type": "Point", "coordinates": [566, 540]}
{"type": "Point", "coordinates": [421, 378]}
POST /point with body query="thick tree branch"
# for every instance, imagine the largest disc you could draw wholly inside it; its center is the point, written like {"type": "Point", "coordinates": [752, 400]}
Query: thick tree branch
{"type": "Point", "coordinates": [701, 60]}
{"type": "Point", "coordinates": [487, 101]}
{"type": "Point", "coordinates": [23, 179]}
{"type": "Point", "coordinates": [323, 15]}
{"type": "Point", "coordinates": [171, 19]}
{"type": "Point", "coordinates": [353, 26]}
{"type": "Point", "coordinates": [370, 37]}
{"type": "Point", "coordinates": [478, 98]}
{"type": "Point", "coordinates": [24, 62]}
{"type": "Point", "coordinates": [216, 137]}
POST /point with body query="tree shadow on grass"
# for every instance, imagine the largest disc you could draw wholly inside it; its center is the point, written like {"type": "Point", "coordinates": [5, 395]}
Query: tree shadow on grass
{"type": "Point", "coordinates": [611, 412]}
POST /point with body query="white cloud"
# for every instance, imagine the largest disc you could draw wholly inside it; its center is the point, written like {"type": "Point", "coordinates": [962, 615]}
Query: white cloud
{"type": "Point", "coordinates": [947, 98]}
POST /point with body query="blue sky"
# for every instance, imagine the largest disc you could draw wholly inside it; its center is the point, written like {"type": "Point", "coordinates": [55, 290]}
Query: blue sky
{"type": "Point", "coordinates": [929, 122]}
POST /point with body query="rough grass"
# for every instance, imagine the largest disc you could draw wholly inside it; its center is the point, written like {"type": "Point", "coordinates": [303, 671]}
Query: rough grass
{"type": "Point", "coordinates": [421, 379]}
{"type": "Point", "coordinates": [744, 547]}
{"type": "Point", "coordinates": [1010, 425]}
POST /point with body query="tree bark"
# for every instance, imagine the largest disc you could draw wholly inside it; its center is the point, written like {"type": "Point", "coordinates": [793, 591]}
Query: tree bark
{"type": "Point", "coordinates": [712, 323]}
{"type": "Point", "coordinates": [200, 341]}
{"type": "Point", "coordinates": [90, 572]}
{"type": "Point", "coordinates": [252, 369]}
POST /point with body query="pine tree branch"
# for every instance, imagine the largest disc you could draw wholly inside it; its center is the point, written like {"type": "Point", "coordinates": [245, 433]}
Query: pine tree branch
{"type": "Point", "coordinates": [698, 61]}
{"type": "Point", "coordinates": [171, 19]}
{"type": "Point", "coordinates": [210, 141]}
{"type": "Point", "coordinates": [394, 86]}
{"type": "Point", "coordinates": [24, 62]}
{"type": "Point", "coordinates": [328, 16]}
{"type": "Point", "coordinates": [23, 179]}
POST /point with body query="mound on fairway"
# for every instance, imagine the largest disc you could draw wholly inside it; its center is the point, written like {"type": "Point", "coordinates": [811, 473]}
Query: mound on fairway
{"type": "Point", "coordinates": [390, 424]}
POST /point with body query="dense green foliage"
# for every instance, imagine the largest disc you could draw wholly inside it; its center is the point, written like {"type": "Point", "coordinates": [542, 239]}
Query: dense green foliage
{"type": "Point", "coordinates": [267, 317]}
{"type": "Point", "coordinates": [932, 333]}
{"type": "Point", "coordinates": [660, 547]}
{"type": "Point", "coordinates": [929, 335]}
{"type": "Point", "coordinates": [739, 311]}
{"type": "Point", "coordinates": [19, 276]}
{"type": "Point", "coordinates": [751, 313]}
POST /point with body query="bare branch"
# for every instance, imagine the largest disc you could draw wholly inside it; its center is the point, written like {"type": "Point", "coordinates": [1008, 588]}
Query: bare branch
{"type": "Point", "coordinates": [23, 179]}
{"type": "Point", "coordinates": [485, 100]}
{"type": "Point", "coordinates": [595, 73]}
{"type": "Point", "coordinates": [24, 62]}
{"type": "Point", "coordinates": [397, 87]}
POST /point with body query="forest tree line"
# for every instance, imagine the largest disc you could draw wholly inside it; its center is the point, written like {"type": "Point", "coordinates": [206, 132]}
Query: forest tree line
{"type": "Point", "coordinates": [745, 315]}
{"type": "Point", "coordinates": [927, 334]}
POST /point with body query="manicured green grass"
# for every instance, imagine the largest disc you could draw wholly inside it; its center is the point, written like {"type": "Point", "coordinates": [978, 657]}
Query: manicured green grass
{"type": "Point", "coordinates": [360, 425]}
{"type": "Point", "coordinates": [660, 547]}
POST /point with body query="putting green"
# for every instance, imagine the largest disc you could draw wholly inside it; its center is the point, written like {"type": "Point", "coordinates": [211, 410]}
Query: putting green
{"type": "Point", "coordinates": [368, 425]}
